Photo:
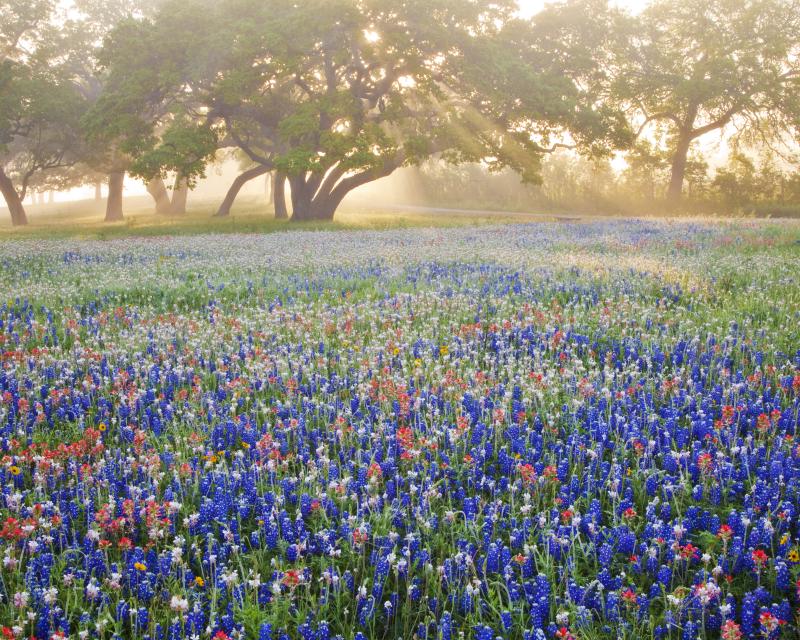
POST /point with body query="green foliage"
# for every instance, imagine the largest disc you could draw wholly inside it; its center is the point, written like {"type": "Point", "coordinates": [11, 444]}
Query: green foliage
{"type": "Point", "coordinates": [22, 20]}
{"type": "Point", "coordinates": [745, 184]}
{"type": "Point", "coordinates": [40, 105]}
{"type": "Point", "coordinates": [339, 93]}
{"type": "Point", "coordinates": [550, 78]}
{"type": "Point", "coordinates": [184, 148]}
{"type": "Point", "coordinates": [687, 69]}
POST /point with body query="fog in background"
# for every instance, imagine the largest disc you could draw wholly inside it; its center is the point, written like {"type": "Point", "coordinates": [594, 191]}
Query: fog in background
{"type": "Point", "coordinates": [582, 106]}
{"type": "Point", "coordinates": [404, 188]}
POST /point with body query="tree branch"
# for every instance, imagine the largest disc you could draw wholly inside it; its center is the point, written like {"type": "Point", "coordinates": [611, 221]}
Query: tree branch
{"type": "Point", "coordinates": [664, 115]}
{"type": "Point", "coordinates": [720, 122]}
{"type": "Point", "coordinates": [253, 155]}
{"type": "Point", "coordinates": [365, 177]}
{"type": "Point", "coordinates": [333, 176]}
{"type": "Point", "coordinates": [553, 147]}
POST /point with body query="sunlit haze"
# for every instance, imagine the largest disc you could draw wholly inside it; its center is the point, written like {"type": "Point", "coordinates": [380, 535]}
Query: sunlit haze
{"type": "Point", "coordinates": [530, 129]}
{"type": "Point", "coordinates": [531, 7]}
{"type": "Point", "coordinates": [528, 8]}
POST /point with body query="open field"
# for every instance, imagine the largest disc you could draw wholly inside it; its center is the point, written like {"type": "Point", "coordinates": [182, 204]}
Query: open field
{"type": "Point", "coordinates": [85, 220]}
{"type": "Point", "coordinates": [497, 379]}
{"type": "Point", "coordinates": [524, 431]}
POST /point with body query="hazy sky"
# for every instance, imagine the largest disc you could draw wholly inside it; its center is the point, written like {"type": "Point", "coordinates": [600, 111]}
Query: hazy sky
{"type": "Point", "coordinates": [529, 7]}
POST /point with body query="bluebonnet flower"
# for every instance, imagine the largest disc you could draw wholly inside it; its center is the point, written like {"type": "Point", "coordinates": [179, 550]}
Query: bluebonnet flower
{"type": "Point", "coordinates": [354, 447]}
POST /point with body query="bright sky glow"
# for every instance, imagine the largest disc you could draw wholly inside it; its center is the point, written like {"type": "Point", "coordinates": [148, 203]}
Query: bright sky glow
{"type": "Point", "coordinates": [530, 7]}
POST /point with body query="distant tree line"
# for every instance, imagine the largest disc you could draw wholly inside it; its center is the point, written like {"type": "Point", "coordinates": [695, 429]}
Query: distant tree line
{"type": "Point", "coordinates": [326, 96]}
{"type": "Point", "coordinates": [757, 183]}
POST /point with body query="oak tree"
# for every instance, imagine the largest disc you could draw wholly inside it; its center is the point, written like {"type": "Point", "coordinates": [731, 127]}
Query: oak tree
{"type": "Point", "coordinates": [698, 67]}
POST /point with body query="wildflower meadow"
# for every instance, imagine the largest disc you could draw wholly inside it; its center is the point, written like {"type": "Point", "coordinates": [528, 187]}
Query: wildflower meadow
{"type": "Point", "coordinates": [522, 432]}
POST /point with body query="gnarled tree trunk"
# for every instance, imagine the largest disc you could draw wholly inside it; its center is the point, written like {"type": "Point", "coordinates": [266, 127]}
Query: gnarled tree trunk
{"type": "Point", "coordinates": [322, 208]}
{"type": "Point", "coordinates": [116, 182]}
{"type": "Point", "coordinates": [279, 197]}
{"type": "Point", "coordinates": [180, 193]}
{"type": "Point", "coordinates": [14, 202]}
{"type": "Point", "coordinates": [317, 197]}
{"type": "Point", "coordinates": [158, 191]}
{"type": "Point", "coordinates": [301, 198]}
{"type": "Point", "coordinates": [241, 180]}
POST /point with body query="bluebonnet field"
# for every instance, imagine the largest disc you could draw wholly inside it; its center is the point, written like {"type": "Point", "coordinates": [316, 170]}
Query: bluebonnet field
{"type": "Point", "coordinates": [522, 432]}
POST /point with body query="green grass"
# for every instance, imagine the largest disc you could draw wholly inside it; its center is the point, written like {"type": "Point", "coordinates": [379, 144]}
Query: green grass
{"type": "Point", "coordinates": [84, 220]}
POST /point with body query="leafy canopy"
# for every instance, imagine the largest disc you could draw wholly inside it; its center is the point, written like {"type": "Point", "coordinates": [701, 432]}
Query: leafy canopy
{"type": "Point", "coordinates": [40, 106]}
{"type": "Point", "coordinates": [336, 93]}
{"type": "Point", "coordinates": [699, 66]}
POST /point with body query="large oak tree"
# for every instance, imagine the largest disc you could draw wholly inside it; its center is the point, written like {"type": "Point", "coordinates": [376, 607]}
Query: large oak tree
{"type": "Point", "coordinates": [82, 37]}
{"type": "Point", "coordinates": [333, 94]}
{"type": "Point", "coordinates": [40, 108]}
{"type": "Point", "coordinates": [696, 67]}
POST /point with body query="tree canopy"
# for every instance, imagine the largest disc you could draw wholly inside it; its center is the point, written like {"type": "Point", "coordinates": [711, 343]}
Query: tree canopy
{"type": "Point", "coordinates": [702, 66]}
{"type": "Point", "coordinates": [40, 108]}
{"type": "Point", "coordinates": [336, 94]}
{"type": "Point", "coordinates": [329, 95]}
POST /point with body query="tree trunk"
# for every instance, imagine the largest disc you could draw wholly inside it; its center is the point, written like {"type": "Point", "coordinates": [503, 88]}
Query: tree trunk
{"type": "Point", "coordinates": [241, 180]}
{"type": "Point", "coordinates": [678, 170]}
{"type": "Point", "coordinates": [116, 182]}
{"type": "Point", "coordinates": [268, 186]}
{"type": "Point", "coordinates": [324, 207]}
{"type": "Point", "coordinates": [321, 208]}
{"type": "Point", "coordinates": [301, 199]}
{"type": "Point", "coordinates": [14, 202]}
{"type": "Point", "coordinates": [98, 191]}
{"type": "Point", "coordinates": [180, 193]}
{"type": "Point", "coordinates": [279, 197]}
{"type": "Point", "coordinates": [158, 191]}
{"type": "Point", "coordinates": [318, 197]}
